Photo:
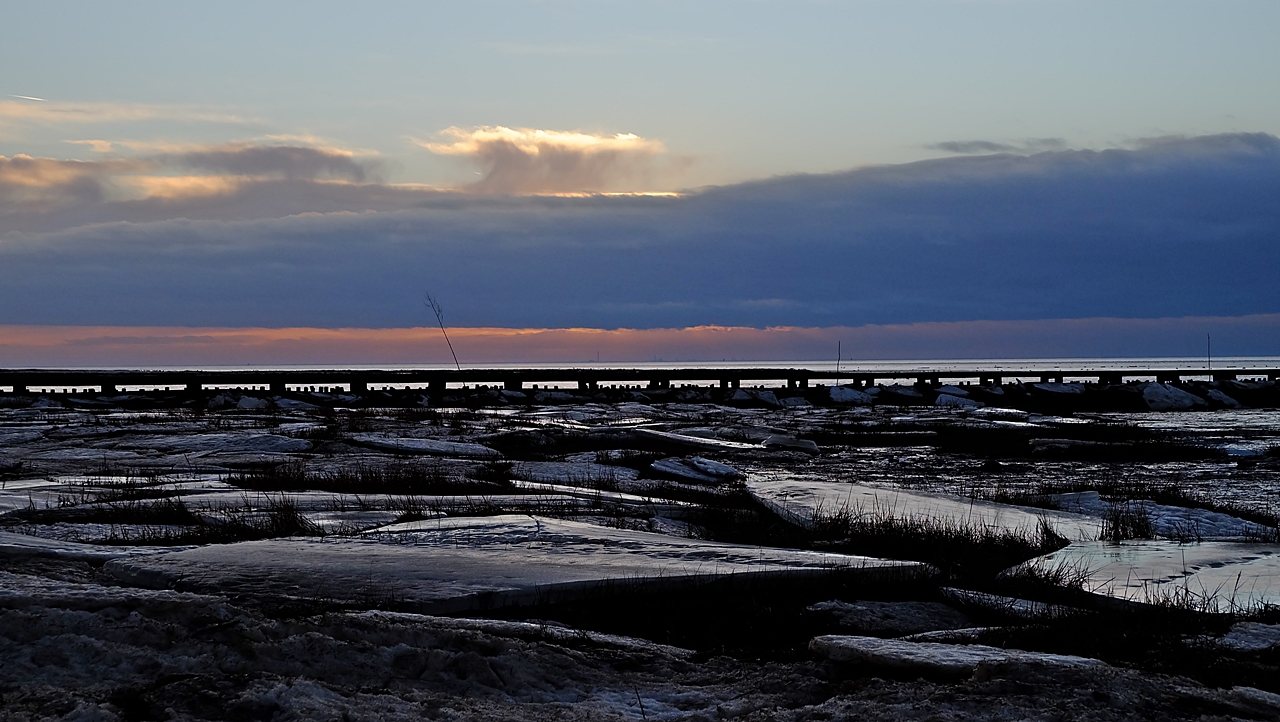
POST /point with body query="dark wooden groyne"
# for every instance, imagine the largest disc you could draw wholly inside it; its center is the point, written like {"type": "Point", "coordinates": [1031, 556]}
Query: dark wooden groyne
{"type": "Point", "coordinates": [41, 381]}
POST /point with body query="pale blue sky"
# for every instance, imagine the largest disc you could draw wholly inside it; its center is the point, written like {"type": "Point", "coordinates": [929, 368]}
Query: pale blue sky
{"type": "Point", "coordinates": [739, 89]}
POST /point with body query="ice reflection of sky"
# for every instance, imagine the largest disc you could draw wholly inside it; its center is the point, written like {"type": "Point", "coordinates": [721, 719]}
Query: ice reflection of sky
{"type": "Point", "coordinates": [1236, 431]}
{"type": "Point", "coordinates": [1250, 481]}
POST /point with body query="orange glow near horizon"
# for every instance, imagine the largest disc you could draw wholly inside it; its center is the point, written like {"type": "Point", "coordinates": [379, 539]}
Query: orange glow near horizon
{"type": "Point", "coordinates": [110, 346]}
{"type": "Point", "coordinates": [372, 346]}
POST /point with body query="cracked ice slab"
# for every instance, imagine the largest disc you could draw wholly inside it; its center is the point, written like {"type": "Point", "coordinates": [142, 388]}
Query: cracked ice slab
{"type": "Point", "coordinates": [955, 661]}
{"type": "Point", "coordinates": [694, 442]}
{"type": "Point", "coordinates": [797, 500]}
{"type": "Point", "coordinates": [454, 564]}
{"type": "Point", "coordinates": [1218, 575]}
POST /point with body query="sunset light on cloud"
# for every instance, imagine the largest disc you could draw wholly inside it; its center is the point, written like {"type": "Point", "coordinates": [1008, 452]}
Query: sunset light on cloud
{"type": "Point", "coordinates": [771, 167]}
{"type": "Point", "coordinates": [479, 141]}
{"type": "Point", "coordinates": [529, 161]}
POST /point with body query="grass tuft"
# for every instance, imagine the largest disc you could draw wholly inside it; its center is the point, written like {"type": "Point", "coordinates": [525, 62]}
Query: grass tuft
{"type": "Point", "coordinates": [396, 478]}
{"type": "Point", "coordinates": [959, 549]}
{"type": "Point", "coordinates": [1126, 520]}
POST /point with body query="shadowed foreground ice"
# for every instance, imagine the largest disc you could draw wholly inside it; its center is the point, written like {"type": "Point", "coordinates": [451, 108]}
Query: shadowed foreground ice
{"type": "Point", "coordinates": [78, 650]}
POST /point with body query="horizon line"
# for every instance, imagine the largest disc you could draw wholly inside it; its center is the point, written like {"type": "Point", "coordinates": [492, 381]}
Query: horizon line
{"type": "Point", "coordinates": [1253, 336]}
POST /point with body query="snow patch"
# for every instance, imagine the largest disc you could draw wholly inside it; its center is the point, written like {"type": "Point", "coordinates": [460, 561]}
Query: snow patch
{"type": "Point", "coordinates": [781, 441]}
{"type": "Point", "coordinates": [846, 395]}
{"type": "Point", "coordinates": [1223, 399]}
{"type": "Point", "coordinates": [1167, 397]}
{"type": "Point", "coordinates": [956, 402]}
{"type": "Point", "coordinates": [293, 405]}
{"type": "Point", "coordinates": [696, 468]}
{"type": "Point", "coordinates": [1251, 637]}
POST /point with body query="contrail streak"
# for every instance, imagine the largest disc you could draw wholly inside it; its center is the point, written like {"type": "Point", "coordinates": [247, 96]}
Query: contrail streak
{"type": "Point", "coordinates": [26, 97]}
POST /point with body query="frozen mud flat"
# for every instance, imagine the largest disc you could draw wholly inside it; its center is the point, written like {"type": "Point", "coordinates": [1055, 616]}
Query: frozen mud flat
{"type": "Point", "coordinates": [1215, 576]}
{"type": "Point", "coordinates": [800, 500]}
{"type": "Point", "coordinates": [451, 565]}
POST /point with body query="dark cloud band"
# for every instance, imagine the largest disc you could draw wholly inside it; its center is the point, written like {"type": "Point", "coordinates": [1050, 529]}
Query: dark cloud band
{"type": "Point", "coordinates": [1179, 228]}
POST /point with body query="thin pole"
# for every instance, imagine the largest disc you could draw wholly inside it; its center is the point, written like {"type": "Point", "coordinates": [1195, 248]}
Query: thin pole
{"type": "Point", "coordinates": [439, 312]}
{"type": "Point", "coordinates": [838, 355]}
{"type": "Point", "coordinates": [1208, 347]}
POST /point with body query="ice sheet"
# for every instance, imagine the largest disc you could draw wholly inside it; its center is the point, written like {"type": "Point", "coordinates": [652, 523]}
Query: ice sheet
{"type": "Point", "coordinates": [453, 564]}
{"type": "Point", "coordinates": [1171, 521]}
{"type": "Point", "coordinates": [695, 441]}
{"type": "Point", "coordinates": [21, 545]}
{"type": "Point", "coordinates": [239, 443]}
{"type": "Point", "coordinates": [798, 501]}
{"type": "Point", "coordinates": [1214, 575]}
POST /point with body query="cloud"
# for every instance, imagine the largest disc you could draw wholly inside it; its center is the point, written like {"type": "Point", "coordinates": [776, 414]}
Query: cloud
{"type": "Point", "coordinates": [979, 147]}
{"type": "Point", "coordinates": [287, 161]}
{"type": "Point", "coordinates": [42, 185]}
{"type": "Point", "coordinates": [1185, 228]}
{"type": "Point", "coordinates": [51, 113]}
{"type": "Point", "coordinates": [97, 146]}
{"type": "Point", "coordinates": [168, 187]}
{"type": "Point", "coordinates": [31, 188]}
{"type": "Point", "coordinates": [523, 161]}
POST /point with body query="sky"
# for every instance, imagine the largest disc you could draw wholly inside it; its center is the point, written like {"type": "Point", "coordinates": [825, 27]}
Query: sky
{"type": "Point", "coordinates": [749, 180]}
